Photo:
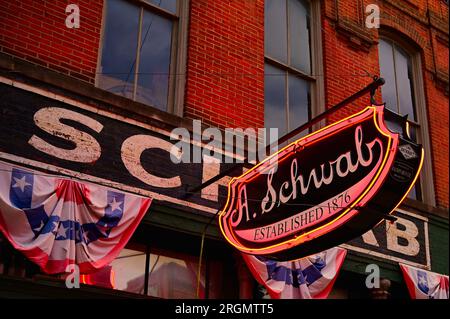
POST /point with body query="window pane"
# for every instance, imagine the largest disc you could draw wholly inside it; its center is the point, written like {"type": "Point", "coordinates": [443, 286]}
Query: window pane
{"type": "Point", "coordinates": [387, 72]}
{"type": "Point", "coordinates": [413, 133]}
{"type": "Point", "coordinates": [298, 102]}
{"type": "Point", "coordinates": [129, 268]}
{"type": "Point", "coordinates": [299, 35]}
{"type": "Point", "coordinates": [125, 273]}
{"type": "Point", "coordinates": [404, 87]}
{"type": "Point", "coordinates": [275, 99]}
{"type": "Point", "coordinates": [119, 48]}
{"type": "Point", "coordinates": [174, 277]}
{"type": "Point", "coordinates": [153, 79]}
{"type": "Point", "coordinates": [169, 5]}
{"type": "Point", "coordinates": [414, 192]}
{"type": "Point", "coordinates": [275, 30]}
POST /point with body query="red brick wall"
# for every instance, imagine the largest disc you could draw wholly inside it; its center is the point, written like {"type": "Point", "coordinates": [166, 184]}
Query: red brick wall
{"type": "Point", "coordinates": [347, 70]}
{"type": "Point", "coordinates": [438, 126]}
{"type": "Point", "coordinates": [36, 31]}
{"type": "Point", "coordinates": [225, 82]}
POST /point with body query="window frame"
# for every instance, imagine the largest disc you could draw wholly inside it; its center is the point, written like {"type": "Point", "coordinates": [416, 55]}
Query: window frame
{"type": "Point", "coordinates": [420, 108]}
{"type": "Point", "coordinates": [178, 54]}
{"type": "Point", "coordinates": [317, 96]}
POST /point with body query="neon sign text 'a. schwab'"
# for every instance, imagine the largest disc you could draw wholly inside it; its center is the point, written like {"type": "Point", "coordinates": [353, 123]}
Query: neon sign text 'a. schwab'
{"type": "Point", "coordinates": [323, 189]}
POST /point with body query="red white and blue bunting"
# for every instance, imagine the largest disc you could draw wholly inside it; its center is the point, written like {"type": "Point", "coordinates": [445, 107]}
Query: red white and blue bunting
{"type": "Point", "coordinates": [423, 284]}
{"type": "Point", "coordinates": [311, 277]}
{"type": "Point", "coordinates": [56, 221]}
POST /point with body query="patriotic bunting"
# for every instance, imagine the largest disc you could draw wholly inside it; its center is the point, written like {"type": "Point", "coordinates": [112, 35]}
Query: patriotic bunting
{"type": "Point", "coordinates": [56, 221]}
{"type": "Point", "coordinates": [424, 284]}
{"type": "Point", "coordinates": [311, 277]}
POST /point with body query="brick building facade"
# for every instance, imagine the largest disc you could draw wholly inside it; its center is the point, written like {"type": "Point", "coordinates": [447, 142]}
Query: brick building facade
{"type": "Point", "coordinates": [217, 67]}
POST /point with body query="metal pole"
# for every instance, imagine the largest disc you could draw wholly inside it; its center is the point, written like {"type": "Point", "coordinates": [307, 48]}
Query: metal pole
{"type": "Point", "coordinates": [370, 88]}
{"type": "Point", "coordinates": [202, 245]}
{"type": "Point", "coordinates": [377, 82]}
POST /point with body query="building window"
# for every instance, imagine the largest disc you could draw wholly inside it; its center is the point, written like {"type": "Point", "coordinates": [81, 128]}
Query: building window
{"type": "Point", "coordinates": [403, 93]}
{"type": "Point", "coordinates": [169, 274]}
{"type": "Point", "coordinates": [126, 272]}
{"type": "Point", "coordinates": [143, 50]}
{"type": "Point", "coordinates": [164, 273]}
{"type": "Point", "coordinates": [174, 276]}
{"type": "Point", "coordinates": [291, 63]}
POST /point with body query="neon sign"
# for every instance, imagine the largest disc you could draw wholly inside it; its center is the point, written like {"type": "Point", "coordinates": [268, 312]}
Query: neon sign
{"type": "Point", "coordinates": [323, 189]}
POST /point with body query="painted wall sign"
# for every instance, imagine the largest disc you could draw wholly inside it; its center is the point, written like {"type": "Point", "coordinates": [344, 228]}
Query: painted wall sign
{"type": "Point", "coordinates": [62, 135]}
{"type": "Point", "coordinates": [405, 240]}
{"type": "Point", "coordinates": [323, 189]}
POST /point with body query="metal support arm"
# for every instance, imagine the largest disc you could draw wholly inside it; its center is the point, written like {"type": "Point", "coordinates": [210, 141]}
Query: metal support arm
{"type": "Point", "coordinates": [371, 88]}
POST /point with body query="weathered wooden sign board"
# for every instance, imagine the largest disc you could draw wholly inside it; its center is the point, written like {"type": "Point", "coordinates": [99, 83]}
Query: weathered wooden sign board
{"type": "Point", "coordinates": [75, 139]}
{"type": "Point", "coordinates": [405, 240]}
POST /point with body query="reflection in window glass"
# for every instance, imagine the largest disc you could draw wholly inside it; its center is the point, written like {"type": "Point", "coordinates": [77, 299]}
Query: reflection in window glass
{"type": "Point", "coordinates": [389, 90]}
{"type": "Point", "coordinates": [275, 30]}
{"type": "Point", "coordinates": [275, 99]}
{"type": "Point", "coordinates": [396, 69]}
{"type": "Point", "coordinates": [298, 102]}
{"type": "Point", "coordinates": [403, 73]}
{"type": "Point", "coordinates": [119, 67]}
{"type": "Point", "coordinates": [119, 48]}
{"type": "Point", "coordinates": [299, 35]}
{"type": "Point", "coordinates": [128, 266]}
{"type": "Point", "coordinates": [123, 273]}
{"type": "Point", "coordinates": [170, 275]}
{"type": "Point", "coordinates": [287, 40]}
{"type": "Point", "coordinates": [153, 78]}
{"type": "Point", "coordinates": [174, 277]}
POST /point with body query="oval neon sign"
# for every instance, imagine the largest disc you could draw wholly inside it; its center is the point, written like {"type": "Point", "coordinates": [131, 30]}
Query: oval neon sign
{"type": "Point", "coordinates": [324, 189]}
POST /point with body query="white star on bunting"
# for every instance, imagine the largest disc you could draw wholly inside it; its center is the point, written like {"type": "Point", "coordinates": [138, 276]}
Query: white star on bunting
{"type": "Point", "coordinates": [422, 281]}
{"type": "Point", "coordinates": [21, 183]}
{"type": "Point", "coordinates": [115, 205]}
{"type": "Point", "coordinates": [62, 231]}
